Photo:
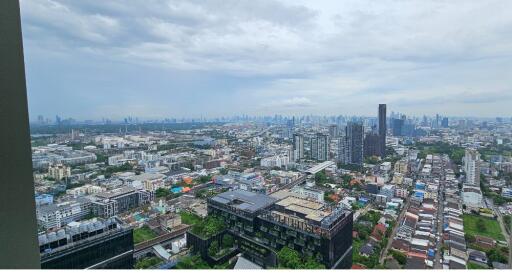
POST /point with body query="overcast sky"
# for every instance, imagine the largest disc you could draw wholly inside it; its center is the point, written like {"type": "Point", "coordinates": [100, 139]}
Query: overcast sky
{"type": "Point", "coordinates": [153, 59]}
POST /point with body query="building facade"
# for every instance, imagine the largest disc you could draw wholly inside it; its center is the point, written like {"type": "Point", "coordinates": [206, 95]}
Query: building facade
{"type": "Point", "coordinates": [264, 224]}
{"type": "Point", "coordinates": [92, 244]}
{"type": "Point", "coordinates": [382, 130]}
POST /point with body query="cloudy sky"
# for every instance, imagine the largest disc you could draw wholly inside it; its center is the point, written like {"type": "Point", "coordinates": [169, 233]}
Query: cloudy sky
{"type": "Point", "coordinates": [192, 58]}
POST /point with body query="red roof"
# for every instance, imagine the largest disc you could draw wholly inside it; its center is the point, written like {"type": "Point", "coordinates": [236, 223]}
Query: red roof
{"type": "Point", "coordinates": [358, 266]}
{"type": "Point", "coordinates": [379, 231]}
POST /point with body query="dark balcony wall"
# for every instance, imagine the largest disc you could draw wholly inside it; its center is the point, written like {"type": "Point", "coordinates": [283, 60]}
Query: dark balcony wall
{"type": "Point", "coordinates": [18, 227]}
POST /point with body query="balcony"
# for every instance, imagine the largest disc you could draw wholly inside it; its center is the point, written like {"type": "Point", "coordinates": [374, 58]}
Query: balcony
{"type": "Point", "coordinates": [275, 233]}
{"type": "Point", "coordinates": [292, 233]}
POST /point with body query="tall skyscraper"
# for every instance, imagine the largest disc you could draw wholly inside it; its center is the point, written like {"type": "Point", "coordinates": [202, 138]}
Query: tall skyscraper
{"type": "Point", "coordinates": [333, 131]}
{"type": "Point", "coordinates": [472, 167]}
{"type": "Point", "coordinates": [354, 147]}
{"type": "Point", "coordinates": [444, 123]}
{"type": "Point", "coordinates": [319, 147]}
{"type": "Point", "coordinates": [382, 130]}
{"type": "Point", "coordinates": [372, 144]}
{"type": "Point", "coordinates": [396, 126]}
{"type": "Point", "coordinates": [298, 147]}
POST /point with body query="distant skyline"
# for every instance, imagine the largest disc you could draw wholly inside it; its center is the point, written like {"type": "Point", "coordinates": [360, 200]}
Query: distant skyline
{"type": "Point", "coordinates": [157, 59]}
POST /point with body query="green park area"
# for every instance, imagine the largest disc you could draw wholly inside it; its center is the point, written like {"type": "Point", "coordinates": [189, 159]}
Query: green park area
{"type": "Point", "coordinates": [143, 234]}
{"type": "Point", "coordinates": [189, 218]}
{"type": "Point", "coordinates": [479, 225]}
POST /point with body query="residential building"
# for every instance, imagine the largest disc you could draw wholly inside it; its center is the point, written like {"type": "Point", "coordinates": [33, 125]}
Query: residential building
{"type": "Point", "coordinates": [111, 203]}
{"type": "Point", "coordinates": [298, 147]}
{"type": "Point", "coordinates": [57, 215]}
{"type": "Point", "coordinates": [319, 147]}
{"type": "Point", "coordinates": [59, 171]}
{"type": "Point", "coordinates": [472, 167]}
{"type": "Point", "coordinates": [472, 197]}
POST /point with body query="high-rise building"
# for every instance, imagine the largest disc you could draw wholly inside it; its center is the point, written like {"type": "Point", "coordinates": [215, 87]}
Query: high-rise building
{"type": "Point", "coordinates": [444, 122]}
{"type": "Point", "coordinates": [91, 244]}
{"type": "Point", "coordinates": [354, 146]}
{"type": "Point", "coordinates": [262, 225]}
{"type": "Point", "coordinates": [396, 126]}
{"type": "Point", "coordinates": [319, 147]}
{"type": "Point", "coordinates": [372, 144]}
{"type": "Point", "coordinates": [472, 167]}
{"type": "Point", "coordinates": [298, 147]}
{"type": "Point", "coordinates": [382, 130]}
{"type": "Point", "coordinates": [333, 131]}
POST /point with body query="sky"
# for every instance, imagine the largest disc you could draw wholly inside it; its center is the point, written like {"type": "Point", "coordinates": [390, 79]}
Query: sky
{"type": "Point", "coordinates": [200, 58]}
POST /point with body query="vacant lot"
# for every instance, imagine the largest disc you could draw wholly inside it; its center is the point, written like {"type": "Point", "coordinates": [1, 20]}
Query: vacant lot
{"type": "Point", "coordinates": [478, 225]}
{"type": "Point", "coordinates": [143, 234]}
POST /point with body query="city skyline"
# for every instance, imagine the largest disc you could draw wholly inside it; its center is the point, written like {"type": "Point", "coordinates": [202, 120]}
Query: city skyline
{"type": "Point", "coordinates": [95, 59]}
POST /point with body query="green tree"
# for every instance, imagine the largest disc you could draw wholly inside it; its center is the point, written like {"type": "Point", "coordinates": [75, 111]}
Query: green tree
{"type": "Point", "coordinates": [192, 262]}
{"type": "Point", "coordinates": [399, 257]}
{"type": "Point", "coordinates": [162, 193]}
{"type": "Point", "coordinates": [227, 241]}
{"type": "Point", "coordinates": [288, 258]}
{"type": "Point", "coordinates": [145, 263]}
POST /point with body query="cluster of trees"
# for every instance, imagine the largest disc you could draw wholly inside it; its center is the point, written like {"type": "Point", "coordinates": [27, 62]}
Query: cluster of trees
{"type": "Point", "coordinates": [145, 263]}
{"type": "Point", "coordinates": [455, 152]}
{"type": "Point", "coordinates": [208, 227]}
{"type": "Point", "coordinates": [502, 149]}
{"type": "Point", "coordinates": [189, 218]}
{"type": "Point", "coordinates": [162, 193]}
{"type": "Point", "coordinates": [218, 249]}
{"type": "Point", "coordinates": [399, 256]}
{"type": "Point", "coordinates": [508, 222]}
{"type": "Point", "coordinates": [321, 178]}
{"type": "Point", "coordinates": [192, 262]}
{"type": "Point", "coordinates": [497, 199]}
{"type": "Point", "coordinates": [372, 160]}
{"type": "Point", "coordinates": [496, 254]}
{"type": "Point", "coordinates": [195, 262]}
{"type": "Point", "coordinates": [291, 259]}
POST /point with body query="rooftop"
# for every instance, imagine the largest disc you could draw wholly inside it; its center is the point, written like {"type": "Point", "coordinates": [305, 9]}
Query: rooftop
{"type": "Point", "coordinates": [244, 200]}
{"type": "Point", "coordinates": [116, 192]}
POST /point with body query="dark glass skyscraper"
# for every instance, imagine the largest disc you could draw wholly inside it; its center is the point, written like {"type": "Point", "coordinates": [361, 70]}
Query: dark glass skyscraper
{"type": "Point", "coordinates": [354, 137]}
{"type": "Point", "coordinates": [382, 130]}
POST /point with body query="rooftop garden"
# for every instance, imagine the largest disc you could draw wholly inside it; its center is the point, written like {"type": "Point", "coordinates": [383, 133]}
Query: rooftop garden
{"type": "Point", "coordinates": [189, 218]}
{"type": "Point", "coordinates": [208, 227]}
{"type": "Point", "coordinates": [143, 234]}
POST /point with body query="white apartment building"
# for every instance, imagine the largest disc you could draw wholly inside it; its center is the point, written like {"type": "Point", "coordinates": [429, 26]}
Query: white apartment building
{"type": "Point", "coordinates": [275, 161]}
{"type": "Point", "coordinates": [472, 167]}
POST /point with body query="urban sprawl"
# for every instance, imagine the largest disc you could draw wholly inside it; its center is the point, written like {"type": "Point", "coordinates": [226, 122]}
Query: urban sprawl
{"type": "Point", "coordinates": [301, 192]}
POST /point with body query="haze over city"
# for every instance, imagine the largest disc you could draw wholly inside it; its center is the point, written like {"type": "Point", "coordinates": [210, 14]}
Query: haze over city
{"type": "Point", "coordinates": [157, 59]}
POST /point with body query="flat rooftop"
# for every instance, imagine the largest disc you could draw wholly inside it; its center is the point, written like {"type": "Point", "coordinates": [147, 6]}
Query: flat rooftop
{"type": "Point", "coordinates": [244, 200]}
{"type": "Point", "coordinates": [116, 192]}
{"type": "Point", "coordinates": [312, 210]}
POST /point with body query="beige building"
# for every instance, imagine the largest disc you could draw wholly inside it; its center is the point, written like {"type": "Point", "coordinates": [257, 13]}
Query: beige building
{"type": "Point", "coordinates": [59, 171]}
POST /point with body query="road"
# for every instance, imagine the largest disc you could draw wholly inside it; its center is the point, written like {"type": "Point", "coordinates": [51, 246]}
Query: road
{"type": "Point", "coordinates": [385, 251]}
